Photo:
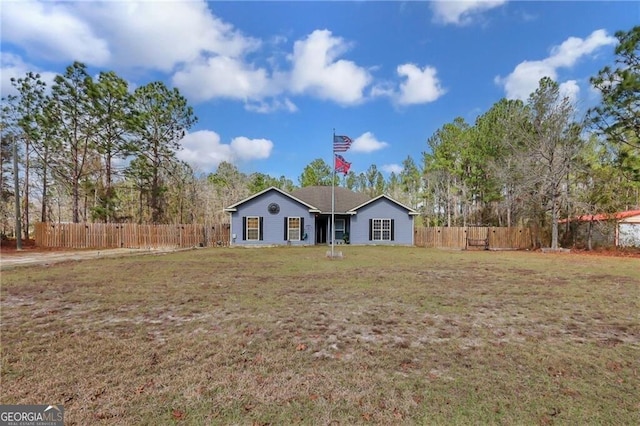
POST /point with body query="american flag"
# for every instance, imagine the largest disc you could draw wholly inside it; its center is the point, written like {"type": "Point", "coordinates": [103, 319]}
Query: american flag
{"type": "Point", "coordinates": [341, 143]}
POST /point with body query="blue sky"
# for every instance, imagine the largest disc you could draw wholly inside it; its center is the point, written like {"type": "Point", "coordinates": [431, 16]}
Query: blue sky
{"type": "Point", "coordinates": [270, 81]}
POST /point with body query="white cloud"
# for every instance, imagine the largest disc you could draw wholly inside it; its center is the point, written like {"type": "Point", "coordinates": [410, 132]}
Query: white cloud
{"type": "Point", "coordinates": [392, 168]}
{"type": "Point", "coordinates": [420, 86]}
{"type": "Point", "coordinates": [383, 89]}
{"type": "Point", "coordinates": [573, 48]}
{"type": "Point", "coordinates": [139, 34]}
{"type": "Point", "coordinates": [168, 34]}
{"type": "Point", "coordinates": [461, 12]}
{"type": "Point", "coordinates": [570, 89]}
{"type": "Point", "coordinates": [251, 149]}
{"type": "Point", "coordinates": [525, 77]}
{"type": "Point", "coordinates": [417, 86]}
{"type": "Point", "coordinates": [367, 142]}
{"type": "Point", "coordinates": [204, 56]}
{"type": "Point", "coordinates": [265, 107]}
{"type": "Point", "coordinates": [12, 66]}
{"type": "Point", "coordinates": [203, 149]}
{"type": "Point", "coordinates": [317, 71]}
{"type": "Point", "coordinates": [52, 31]}
{"type": "Point", "coordinates": [223, 77]}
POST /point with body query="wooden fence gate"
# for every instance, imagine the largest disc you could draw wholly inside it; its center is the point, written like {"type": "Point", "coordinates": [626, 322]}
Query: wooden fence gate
{"type": "Point", "coordinates": [477, 237]}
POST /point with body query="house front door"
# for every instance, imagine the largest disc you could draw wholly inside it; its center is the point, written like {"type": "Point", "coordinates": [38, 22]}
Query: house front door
{"type": "Point", "coordinates": [321, 231]}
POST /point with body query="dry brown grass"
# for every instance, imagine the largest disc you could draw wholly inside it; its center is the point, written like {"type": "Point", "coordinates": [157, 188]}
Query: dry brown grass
{"type": "Point", "coordinates": [284, 336]}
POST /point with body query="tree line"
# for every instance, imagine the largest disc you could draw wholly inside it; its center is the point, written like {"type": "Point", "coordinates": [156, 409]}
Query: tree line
{"type": "Point", "coordinates": [92, 149]}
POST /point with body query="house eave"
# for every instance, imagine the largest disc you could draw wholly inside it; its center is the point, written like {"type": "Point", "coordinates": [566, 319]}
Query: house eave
{"type": "Point", "coordinates": [351, 213]}
{"type": "Point", "coordinates": [411, 211]}
{"type": "Point", "coordinates": [232, 208]}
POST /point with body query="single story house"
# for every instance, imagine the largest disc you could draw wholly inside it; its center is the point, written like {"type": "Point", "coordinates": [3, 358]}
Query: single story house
{"type": "Point", "coordinates": [303, 217]}
{"type": "Point", "coordinates": [621, 229]}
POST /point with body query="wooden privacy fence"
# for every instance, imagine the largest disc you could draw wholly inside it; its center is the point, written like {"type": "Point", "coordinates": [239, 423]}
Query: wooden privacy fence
{"type": "Point", "coordinates": [458, 237]}
{"type": "Point", "coordinates": [129, 235]}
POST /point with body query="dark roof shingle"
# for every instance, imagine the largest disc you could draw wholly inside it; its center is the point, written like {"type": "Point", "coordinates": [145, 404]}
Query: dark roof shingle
{"type": "Point", "coordinates": [320, 197]}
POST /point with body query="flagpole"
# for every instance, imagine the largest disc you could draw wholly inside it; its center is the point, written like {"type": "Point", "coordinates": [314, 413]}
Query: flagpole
{"type": "Point", "coordinates": [333, 192]}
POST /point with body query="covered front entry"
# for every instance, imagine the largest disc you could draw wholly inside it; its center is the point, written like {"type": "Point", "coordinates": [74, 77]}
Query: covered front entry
{"type": "Point", "coordinates": [322, 226]}
{"type": "Point", "coordinates": [323, 229]}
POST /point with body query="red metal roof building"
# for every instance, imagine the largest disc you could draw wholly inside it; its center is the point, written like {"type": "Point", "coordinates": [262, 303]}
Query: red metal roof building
{"type": "Point", "coordinates": [603, 216]}
{"type": "Point", "coordinates": [626, 232]}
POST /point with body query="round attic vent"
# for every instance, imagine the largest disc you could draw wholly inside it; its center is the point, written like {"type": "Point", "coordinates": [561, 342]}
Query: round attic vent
{"type": "Point", "coordinates": [273, 208]}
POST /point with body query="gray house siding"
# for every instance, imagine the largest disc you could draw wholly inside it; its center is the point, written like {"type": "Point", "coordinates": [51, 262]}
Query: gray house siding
{"type": "Point", "coordinates": [377, 221]}
{"type": "Point", "coordinates": [402, 223]}
{"type": "Point", "coordinates": [273, 225]}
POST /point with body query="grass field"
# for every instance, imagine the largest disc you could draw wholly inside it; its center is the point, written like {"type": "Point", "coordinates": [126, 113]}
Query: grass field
{"type": "Point", "coordinates": [386, 335]}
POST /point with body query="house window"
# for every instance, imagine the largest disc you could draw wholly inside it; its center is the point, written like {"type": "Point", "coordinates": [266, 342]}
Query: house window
{"type": "Point", "coordinates": [339, 229]}
{"type": "Point", "coordinates": [253, 228]}
{"type": "Point", "coordinates": [381, 230]}
{"type": "Point", "coordinates": [293, 225]}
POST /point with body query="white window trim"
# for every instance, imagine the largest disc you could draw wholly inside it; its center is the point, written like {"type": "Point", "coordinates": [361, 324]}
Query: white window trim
{"type": "Point", "coordinates": [381, 221]}
{"type": "Point", "coordinates": [289, 228]}
{"type": "Point", "coordinates": [257, 229]}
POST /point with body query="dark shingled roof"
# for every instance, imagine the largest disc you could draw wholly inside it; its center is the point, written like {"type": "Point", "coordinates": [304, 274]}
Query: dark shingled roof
{"type": "Point", "coordinates": [320, 197]}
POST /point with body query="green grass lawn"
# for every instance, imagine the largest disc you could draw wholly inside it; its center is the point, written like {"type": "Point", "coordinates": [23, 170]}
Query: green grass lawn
{"type": "Point", "coordinates": [386, 335]}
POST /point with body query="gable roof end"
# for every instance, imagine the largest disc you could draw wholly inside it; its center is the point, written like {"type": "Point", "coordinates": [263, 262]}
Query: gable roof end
{"type": "Point", "coordinates": [411, 211]}
{"type": "Point", "coordinates": [233, 207]}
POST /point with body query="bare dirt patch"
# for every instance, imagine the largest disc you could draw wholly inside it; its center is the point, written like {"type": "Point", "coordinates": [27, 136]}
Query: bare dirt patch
{"type": "Point", "coordinates": [633, 252]}
{"type": "Point", "coordinates": [8, 247]}
{"type": "Point", "coordinates": [30, 254]}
